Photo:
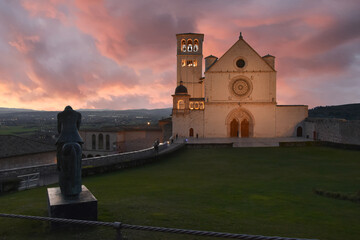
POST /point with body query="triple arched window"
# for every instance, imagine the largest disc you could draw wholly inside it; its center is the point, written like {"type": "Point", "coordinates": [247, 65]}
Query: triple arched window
{"type": "Point", "coordinates": [189, 45]}
{"type": "Point", "coordinates": [100, 141]}
{"type": "Point", "coordinates": [189, 63]}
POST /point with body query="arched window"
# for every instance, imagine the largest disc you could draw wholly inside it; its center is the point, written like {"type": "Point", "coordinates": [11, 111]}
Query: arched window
{"type": "Point", "coordinates": [101, 141]}
{"type": "Point", "coordinates": [196, 45]}
{"type": "Point", "coordinates": [195, 63]}
{"type": "Point", "coordinates": [93, 142]}
{"type": "Point", "coordinates": [107, 142]}
{"type": "Point", "coordinates": [189, 63]}
{"type": "Point", "coordinates": [189, 45]}
{"type": "Point", "coordinates": [183, 45]}
{"type": "Point", "coordinates": [181, 104]}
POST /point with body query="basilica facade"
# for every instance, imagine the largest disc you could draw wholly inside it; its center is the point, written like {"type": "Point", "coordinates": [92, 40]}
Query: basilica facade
{"type": "Point", "coordinates": [236, 98]}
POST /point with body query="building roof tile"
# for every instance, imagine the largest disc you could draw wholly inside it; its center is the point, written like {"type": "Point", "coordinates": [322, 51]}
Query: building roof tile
{"type": "Point", "coordinates": [11, 146]}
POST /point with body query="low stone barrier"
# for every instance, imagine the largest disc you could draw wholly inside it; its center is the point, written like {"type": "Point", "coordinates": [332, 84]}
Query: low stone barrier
{"type": "Point", "coordinates": [209, 145]}
{"type": "Point", "coordinates": [48, 172]}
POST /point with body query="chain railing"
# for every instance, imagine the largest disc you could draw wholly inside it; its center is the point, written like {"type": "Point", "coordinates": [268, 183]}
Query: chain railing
{"type": "Point", "coordinates": [118, 226]}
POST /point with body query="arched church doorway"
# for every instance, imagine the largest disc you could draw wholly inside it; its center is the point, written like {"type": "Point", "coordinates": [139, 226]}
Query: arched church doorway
{"type": "Point", "coordinates": [245, 128]}
{"type": "Point", "coordinates": [191, 132]}
{"type": "Point", "coordinates": [234, 128]}
{"type": "Point", "coordinates": [299, 132]}
{"type": "Point", "coordinates": [240, 123]}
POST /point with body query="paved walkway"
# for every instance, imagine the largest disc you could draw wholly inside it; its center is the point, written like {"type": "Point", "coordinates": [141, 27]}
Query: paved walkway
{"type": "Point", "coordinates": [245, 142]}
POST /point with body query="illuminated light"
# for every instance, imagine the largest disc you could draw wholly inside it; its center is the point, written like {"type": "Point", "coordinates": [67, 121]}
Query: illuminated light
{"type": "Point", "coordinates": [189, 46]}
{"type": "Point", "coordinates": [183, 62]}
{"type": "Point", "coordinates": [181, 104]}
{"type": "Point", "coordinates": [196, 45]}
{"type": "Point", "coordinates": [202, 106]}
{"type": "Point", "coordinates": [191, 105]}
{"type": "Point", "coordinates": [183, 45]}
{"type": "Point", "coordinates": [148, 123]}
{"type": "Point", "coordinates": [196, 105]}
{"type": "Point", "coordinates": [195, 63]}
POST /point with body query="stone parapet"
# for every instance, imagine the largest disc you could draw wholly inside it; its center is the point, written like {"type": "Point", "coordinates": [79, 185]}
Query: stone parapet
{"type": "Point", "coordinates": [333, 130]}
{"type": "Point", "coordinates": [48, 172]}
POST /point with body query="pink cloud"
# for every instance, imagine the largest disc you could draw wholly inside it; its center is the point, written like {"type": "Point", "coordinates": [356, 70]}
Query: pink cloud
{"type": "Point", "coordinates": [24, 44]}
{"type": "Point", "coordinates": [109, 53]}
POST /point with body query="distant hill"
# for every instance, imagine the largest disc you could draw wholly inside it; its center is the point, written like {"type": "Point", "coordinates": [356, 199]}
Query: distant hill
{"type": "Point", "coordinates": [14, 110]}
{"type": "Point", "coordinates": [348, 111]}
{"type": "Point", "coordinates": [161, 111]}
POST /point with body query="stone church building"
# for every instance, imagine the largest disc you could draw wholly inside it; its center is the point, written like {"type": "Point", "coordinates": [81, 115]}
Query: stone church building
{"type": "Point", "coordinates": [236, 98]}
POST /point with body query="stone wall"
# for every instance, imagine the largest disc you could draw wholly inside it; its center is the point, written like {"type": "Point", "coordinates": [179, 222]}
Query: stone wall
{"type": "Point", "coordinates": [48, 172]}
{"type": "Point", "coordinates": [136, 140]}
{"type": "Point", "coordinates": [333, 130]}
{"type": "Point", "coordinates": [27, 160]}
{"type": "Point", "coordinates": [119, 141]}
{"type": "Point", "coordinates": [288, 118]}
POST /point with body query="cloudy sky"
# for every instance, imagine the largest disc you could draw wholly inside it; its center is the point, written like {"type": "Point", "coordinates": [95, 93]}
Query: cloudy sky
{"type": "Point", "coordinates": [121, 54]}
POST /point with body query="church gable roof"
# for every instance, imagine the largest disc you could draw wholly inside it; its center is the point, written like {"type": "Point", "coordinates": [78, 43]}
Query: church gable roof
{"type": "Point", "coordinates": [241, 50]}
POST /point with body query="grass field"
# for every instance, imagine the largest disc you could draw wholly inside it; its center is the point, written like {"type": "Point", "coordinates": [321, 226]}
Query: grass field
{"type": "Point", "coordinates": [262, 191]}
{"type": "Point", "coordinates": [16, 130]}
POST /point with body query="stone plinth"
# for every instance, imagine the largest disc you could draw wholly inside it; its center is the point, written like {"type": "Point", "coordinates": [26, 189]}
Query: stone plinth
{"type": "Point", "coordinates": [84, 207]}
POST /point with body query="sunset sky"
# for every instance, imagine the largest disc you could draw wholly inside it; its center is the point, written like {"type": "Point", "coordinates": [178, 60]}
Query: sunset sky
{"type": "Point", "coordinates": [116, 54]}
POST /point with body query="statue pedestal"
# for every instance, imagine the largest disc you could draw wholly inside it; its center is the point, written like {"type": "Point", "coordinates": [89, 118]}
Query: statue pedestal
{"type": "Point", "coordinates": [84, 207]}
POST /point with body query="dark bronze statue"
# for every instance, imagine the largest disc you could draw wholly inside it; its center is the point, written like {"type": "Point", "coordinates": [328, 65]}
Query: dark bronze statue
{"type": "Point", "coordinates": [69, 152]}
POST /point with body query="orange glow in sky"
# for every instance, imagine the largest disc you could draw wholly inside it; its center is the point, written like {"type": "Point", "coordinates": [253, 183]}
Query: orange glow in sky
{"type": "Point", "coordinates": [122, 54]}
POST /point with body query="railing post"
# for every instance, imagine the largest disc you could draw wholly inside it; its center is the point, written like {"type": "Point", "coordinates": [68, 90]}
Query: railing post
{"type": "Point", "coordinates": [117, 226]}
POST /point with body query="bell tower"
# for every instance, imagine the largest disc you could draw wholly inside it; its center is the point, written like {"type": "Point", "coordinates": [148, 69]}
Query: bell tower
{"type": "Point", "coordinates": [189, 62]}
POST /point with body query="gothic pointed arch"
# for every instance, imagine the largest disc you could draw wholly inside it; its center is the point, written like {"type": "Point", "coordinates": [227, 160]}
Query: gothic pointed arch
{"type": "Point", "coordinates": [244, 120]}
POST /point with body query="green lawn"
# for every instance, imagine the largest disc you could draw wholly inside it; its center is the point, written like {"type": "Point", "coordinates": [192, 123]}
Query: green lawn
{"type": "Point", "coordinates": [16, 130]}
{"type": "Point", "coordinates": [262, 191]}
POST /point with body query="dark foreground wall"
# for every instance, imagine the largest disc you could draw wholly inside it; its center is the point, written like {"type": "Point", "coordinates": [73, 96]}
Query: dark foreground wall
{"type": "Point", "coordinates": [48, 172]}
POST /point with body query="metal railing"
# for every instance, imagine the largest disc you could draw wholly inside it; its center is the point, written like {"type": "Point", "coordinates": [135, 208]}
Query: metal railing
{"type": "Point", "coordinates": [118, 226]}
{"type": "Point", "coordinates": [29, 181]}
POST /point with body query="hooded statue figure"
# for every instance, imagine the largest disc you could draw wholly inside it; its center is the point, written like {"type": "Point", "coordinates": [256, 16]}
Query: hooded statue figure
{"type": "Point", "coordinates": [69, 152]}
